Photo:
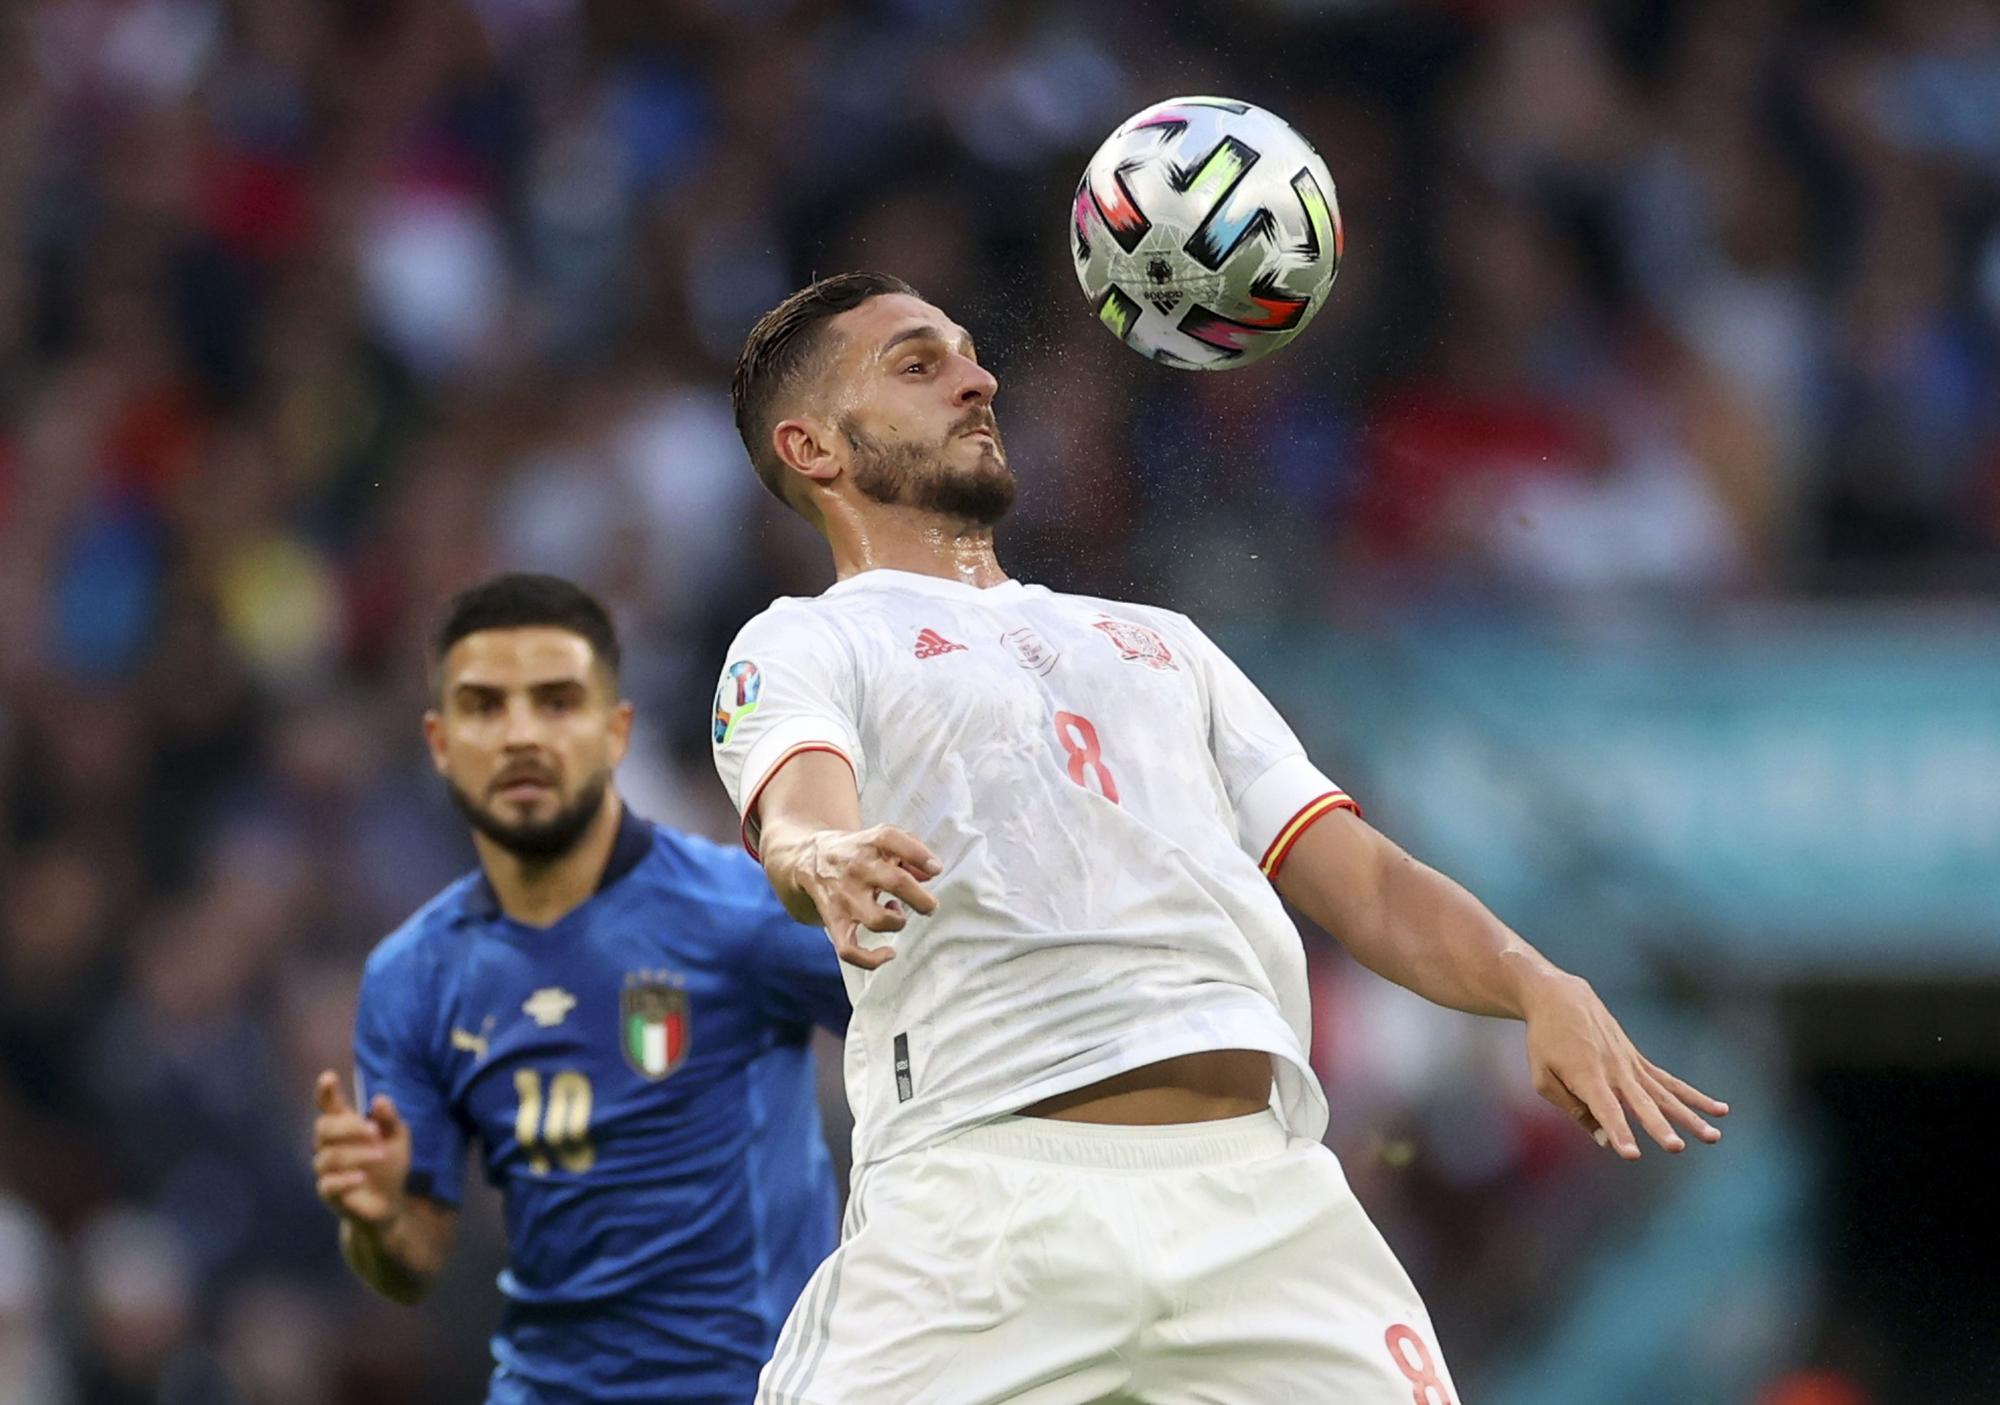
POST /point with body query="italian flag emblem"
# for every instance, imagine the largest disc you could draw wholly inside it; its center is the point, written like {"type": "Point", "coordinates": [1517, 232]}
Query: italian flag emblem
{"type": "Point", "coordinates": [653, 1025]}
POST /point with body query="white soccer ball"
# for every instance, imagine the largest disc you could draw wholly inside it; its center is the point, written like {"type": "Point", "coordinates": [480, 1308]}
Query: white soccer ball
{"type": "Point", "coordinates": [1205, 233]}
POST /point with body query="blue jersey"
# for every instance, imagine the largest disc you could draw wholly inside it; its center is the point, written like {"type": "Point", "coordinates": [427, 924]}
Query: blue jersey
{"type": "Point", "coordinates": [638, 1079]}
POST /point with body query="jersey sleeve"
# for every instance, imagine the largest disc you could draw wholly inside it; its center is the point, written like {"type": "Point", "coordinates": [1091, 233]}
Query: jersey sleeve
{"type": "Point", "coordinates": [1275, 791]}
{"type": "Point", "coordinates": [389, 1058]}
{"type": "Point", "coordinates": [797, 973]}
{"type": "Point", "coordinates": [789, 687]}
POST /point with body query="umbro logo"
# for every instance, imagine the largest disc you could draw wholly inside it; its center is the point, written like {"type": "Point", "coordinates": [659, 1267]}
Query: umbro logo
{"type": "Point", "coordinates": [930, 644]}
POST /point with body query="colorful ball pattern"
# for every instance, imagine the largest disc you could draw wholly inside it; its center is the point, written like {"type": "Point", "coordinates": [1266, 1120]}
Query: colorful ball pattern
{"type": "Point", "coordinates": [1205, 233]}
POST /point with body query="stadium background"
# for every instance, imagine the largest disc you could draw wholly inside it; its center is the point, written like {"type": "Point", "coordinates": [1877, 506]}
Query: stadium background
{"type": "Point", "coordinates": [1626, 534]}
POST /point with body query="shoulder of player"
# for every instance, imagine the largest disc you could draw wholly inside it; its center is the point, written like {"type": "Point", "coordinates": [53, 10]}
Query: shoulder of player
{"type": "Point", "coordinates": [794, 621]}
{"type": "Point", "coordinates": [1172, 623]}
{"type": "Point", "coordinates": [696, 869]}
{"type": "Point", "coordinates": [1103, 604]}
{"type": "Point", "coordinates": [417, 940]}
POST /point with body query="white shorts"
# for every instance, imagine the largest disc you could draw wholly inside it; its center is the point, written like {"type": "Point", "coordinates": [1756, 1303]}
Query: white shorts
{"type": "Point", "coordinates": [1059, 1263]}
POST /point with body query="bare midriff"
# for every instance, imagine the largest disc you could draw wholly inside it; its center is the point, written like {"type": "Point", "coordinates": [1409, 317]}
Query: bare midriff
{"type": "Point", "coordinates": [1204, 1087]}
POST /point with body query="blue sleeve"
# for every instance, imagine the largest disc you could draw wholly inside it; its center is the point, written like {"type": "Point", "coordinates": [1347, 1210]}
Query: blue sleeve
{"type": "Point", "coordinates": [389, 1057]}
{"type": "Point", "coordinates": [798, 975]}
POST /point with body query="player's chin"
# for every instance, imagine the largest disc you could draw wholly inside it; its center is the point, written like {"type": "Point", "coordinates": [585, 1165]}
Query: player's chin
{"type": "Point", "coordinates": [982, 492]}
{"type": "Point", "coordinates": [983, 451]}
{"type": "Point", "coordinates": [526, 810]}
{"type": "Point", "coordinates": [544, 836]}
{"type": "Point", "coordinates": [529, 821]}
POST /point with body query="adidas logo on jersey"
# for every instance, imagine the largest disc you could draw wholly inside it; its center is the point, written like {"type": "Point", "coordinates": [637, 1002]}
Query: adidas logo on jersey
{"type": "Point", "coordinates": [930, 644]}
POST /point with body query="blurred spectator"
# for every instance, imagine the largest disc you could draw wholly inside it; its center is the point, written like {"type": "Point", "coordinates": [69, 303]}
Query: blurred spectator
{"type": "Point", "coordinates": [277, 1344]}
{"type": "Point", "coordinates": [138, 1285]}
{"type": "Point", "coordinates": [32, 1366]}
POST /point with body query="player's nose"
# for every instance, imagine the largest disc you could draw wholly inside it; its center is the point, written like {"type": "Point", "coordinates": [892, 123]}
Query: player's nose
{"type": "Point", "coordinates": [524, 728]}
{"type": "Point", "coordinates": [976, 386]}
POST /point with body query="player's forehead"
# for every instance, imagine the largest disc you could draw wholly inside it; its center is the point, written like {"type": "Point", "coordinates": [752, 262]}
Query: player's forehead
{"type": "Point", "coordinates": [518, 658]}
{"type": "Point", "coordinates": [881, 324]}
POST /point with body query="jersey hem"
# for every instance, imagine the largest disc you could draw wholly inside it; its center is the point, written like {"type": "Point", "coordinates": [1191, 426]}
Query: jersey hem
{"type": "Point", "coordinates": [1297, 1096]}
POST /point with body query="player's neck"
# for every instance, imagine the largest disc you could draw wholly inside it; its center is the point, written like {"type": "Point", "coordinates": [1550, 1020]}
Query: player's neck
{"type": "Point", "coordinates": [541, 892]}
{"type": "Point", "coordinates": [922, 543]}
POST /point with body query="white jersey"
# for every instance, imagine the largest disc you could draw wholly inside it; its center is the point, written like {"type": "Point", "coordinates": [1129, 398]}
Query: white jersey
{"type": "Point", "coordinates": [1108, 794]}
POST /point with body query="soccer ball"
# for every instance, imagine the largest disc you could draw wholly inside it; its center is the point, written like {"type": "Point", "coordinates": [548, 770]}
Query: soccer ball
{"type": "Point", "coordinates": [1205, 233]}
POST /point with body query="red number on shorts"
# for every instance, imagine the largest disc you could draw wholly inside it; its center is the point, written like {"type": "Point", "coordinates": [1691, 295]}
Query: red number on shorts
{"type": "Point", "coordinates": [1079, 741]}
{"type": "Point", "coordinates": [1413, 1359]}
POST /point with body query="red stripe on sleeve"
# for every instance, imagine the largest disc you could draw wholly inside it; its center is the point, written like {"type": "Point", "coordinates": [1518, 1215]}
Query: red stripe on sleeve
{"type": "Point", "coordinates": [1307, 815]}
{"type": "Point", "coordinates": [750, 810]}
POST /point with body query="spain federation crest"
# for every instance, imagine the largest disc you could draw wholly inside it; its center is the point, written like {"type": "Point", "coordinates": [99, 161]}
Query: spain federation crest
{"type": "Point", "coordinates": [1138, 644]}
{"type": "Point", "coordinates": [653, 1027]}
{"type": "Point", "coordinates": [736, 697]}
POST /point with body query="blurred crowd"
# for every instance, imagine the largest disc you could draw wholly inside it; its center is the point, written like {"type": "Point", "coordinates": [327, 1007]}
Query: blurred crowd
{"type": "Point", "coordinates": [311, 314]}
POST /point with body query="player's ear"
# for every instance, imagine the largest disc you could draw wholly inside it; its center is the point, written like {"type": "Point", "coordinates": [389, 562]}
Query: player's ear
{"type": "Point", "coordinates": [434, 737]}
{"type": "Point", "coordinates": [809, 446]}
{"type": "Point", "coordinates": [620, 730]}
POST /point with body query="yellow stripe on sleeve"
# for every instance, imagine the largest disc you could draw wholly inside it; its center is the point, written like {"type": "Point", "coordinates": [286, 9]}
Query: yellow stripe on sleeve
{"type": "Point", "coordinates": [1302, 821]}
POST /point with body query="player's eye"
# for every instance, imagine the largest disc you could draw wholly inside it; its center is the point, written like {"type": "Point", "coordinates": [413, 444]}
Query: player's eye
{"type": "Point", "coordinates": [918, 366]}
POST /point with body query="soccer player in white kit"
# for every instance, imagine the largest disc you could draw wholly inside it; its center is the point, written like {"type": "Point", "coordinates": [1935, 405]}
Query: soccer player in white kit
{"type": "Point", "coordinates": [1087, 1150]}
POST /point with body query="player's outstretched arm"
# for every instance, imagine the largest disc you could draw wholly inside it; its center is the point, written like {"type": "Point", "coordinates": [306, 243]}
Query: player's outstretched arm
{"type": "Point", "coordinates": [1411, 924]}
{"type": "Point", "coordinates": [395, 1242]}
{"type": "Point", "coordinates": [826, 869]}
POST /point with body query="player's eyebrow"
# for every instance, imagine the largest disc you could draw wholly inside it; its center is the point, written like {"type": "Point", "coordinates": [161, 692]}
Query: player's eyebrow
{"type": "Point", "coordinates": [542, 686]}
{"type": "Point", "coordinates": [927, 332]}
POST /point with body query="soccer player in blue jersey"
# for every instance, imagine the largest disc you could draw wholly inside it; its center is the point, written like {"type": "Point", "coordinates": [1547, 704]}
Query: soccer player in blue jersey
{"type": "Point", "coordinates": [617, 1014]}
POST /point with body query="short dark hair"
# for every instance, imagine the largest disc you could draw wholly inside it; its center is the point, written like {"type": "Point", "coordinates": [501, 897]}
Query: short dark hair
{"type": "Point", "coordinates": [781, 347]}
{"type": "Point", "coordinates": [522, 600]}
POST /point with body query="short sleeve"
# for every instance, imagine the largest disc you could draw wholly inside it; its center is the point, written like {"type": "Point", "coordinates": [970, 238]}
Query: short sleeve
{"type": "Point", "coordinates": [1275, 791]}
{"type": "Point", "coordinates": [798, 975]}
{"type": "Point", "coordinates": [789, 687]}
{"type": "Point", "coordinates": [389, 1058]}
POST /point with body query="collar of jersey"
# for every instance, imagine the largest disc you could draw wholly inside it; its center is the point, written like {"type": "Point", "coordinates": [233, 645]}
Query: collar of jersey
{"type": "Point", "coordinates": [888, 578]}
{"type": "Point", "coordinates": [634, 842]}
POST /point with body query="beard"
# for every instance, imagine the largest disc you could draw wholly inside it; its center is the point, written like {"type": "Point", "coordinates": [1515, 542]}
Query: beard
{"type": "Point", "coordinates": [539, 840]}
{"type": "Point", "coordinates": [921, 476]}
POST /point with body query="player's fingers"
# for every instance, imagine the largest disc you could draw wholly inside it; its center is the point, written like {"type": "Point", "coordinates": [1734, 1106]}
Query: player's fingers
{"type": "Point", "coordinates": [844, 933]}
{"type": "Point", "coordinates": [330, 1159]}
{"type": "Point", "coordinates": [1604, 1106]}
{"type": "Point", "coordinates": [1676, 1108]}
{"type": "Point", "coordinates": [1646, 1110]}
{"type": "Point", "coordinates": [382, 1113]}
{"type": "Point", "coordinates": [896, 880]}
{"type": "Point", "coordinates": [333, 1188]}
{"type": "Point", "coordinates": [327, 1094]}
{"type": "Point", "coordinates": [1688, 1093]}
{"type": "Point", "coordinates": [903, 845]}
{"type": "Point", "coordinates": [1569, 1104]}
{"type": "Point", "coordinates": [877, 913]}
{"type": "Point", "coordinates": [868, 958]}
{"type": "Point", "coordinates": [331, 1130]}
{"type": "Point", "coordinates": [876, 875]}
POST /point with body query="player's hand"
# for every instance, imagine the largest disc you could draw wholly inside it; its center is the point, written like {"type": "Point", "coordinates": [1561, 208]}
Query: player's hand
{"type": "Point", "coordinates": [361, 1162]}
{"type": "Point", "coordinates": [865, 879]}
{"type": "Point", "coordinates": [1584, 1064]}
